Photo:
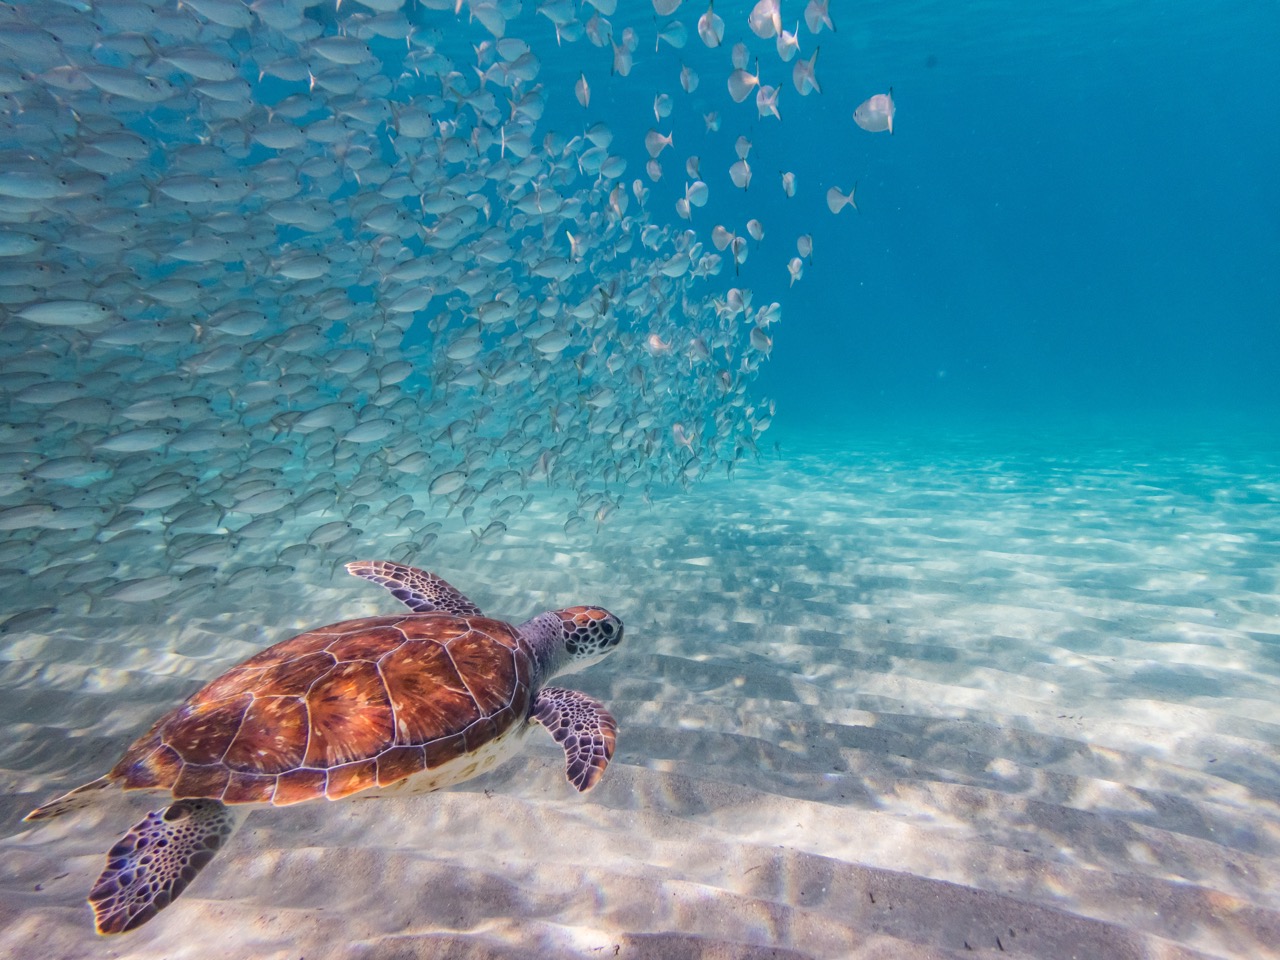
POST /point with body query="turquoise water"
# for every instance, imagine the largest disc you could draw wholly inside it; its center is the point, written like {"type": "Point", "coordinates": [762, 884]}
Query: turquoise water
{"type": "Point", "coordinates": [948, 567]}
{"type": "Point", "coordinates": [1073, 217]}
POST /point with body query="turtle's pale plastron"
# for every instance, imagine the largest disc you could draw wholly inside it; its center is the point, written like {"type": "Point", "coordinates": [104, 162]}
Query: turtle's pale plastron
{"type": "Point", "coordinates": [407, 703]}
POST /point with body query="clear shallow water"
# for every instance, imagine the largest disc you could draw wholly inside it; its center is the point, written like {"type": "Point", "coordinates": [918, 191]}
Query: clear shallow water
{"type": "Point", "coordinates": [888, 699]}
{"type": "Point", "coordinates": [982, 646]}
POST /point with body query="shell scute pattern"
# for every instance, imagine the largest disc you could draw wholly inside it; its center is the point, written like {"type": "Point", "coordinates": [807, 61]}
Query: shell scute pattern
{"type": "Point", "coordinates": [490, 679]}
{"type": "Point", "coordinates": [297, 786]}
{"type": "Point", "coordinates": [155, 765]}
{"type": "Point", "coordinates": [249, 788]}
{"type": "Point", "coordinates": [201, 781]}
{"type": "Point", "coordinates": [291, 678]}
{"type": "Point", "coordinates": [202, 730]}
{"type": "Point", "coordinates": [351, 715]}
{"type": "Point", "coordinates": [272, 736]}
{"type": "Point", "coordinates": [440, 629]}
{"type": "Point", "coordinates": [429, 696]}
{"type": "Point", "coordinates": [334, 711]}
{"type": "Point", "coordinates": [399, 762]}
{"type": "Point", "coordinates": [351, 778]}
{"type": "Point", "coordinates": [479, 733]}
{"type": "Point", "coordinates": [368, 645]}
{"type": "Point", "coordinates": [441, 751]}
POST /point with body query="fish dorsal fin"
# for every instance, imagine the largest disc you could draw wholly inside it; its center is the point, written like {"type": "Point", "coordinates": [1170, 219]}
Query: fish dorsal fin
{"type": "Point", "coordinates": [418, 590]}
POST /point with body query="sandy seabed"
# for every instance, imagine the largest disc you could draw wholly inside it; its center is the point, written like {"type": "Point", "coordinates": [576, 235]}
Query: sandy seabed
{"type": "Point", "coordinates": [876, 701]}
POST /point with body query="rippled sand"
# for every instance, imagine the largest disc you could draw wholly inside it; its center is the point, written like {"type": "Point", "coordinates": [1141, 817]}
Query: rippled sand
{"type": "Point", "coordinates": [980, 700]}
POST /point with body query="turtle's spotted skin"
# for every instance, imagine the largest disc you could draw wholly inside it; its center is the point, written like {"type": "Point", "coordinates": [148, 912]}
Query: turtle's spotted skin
{"type": "Point", "coordinates": [444, 691]}
{"type": "Point", "coordinates": [337, 710]}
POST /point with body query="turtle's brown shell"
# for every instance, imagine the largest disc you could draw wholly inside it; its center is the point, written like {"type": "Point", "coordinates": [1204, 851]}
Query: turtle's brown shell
{"type": "Point", "coordinates": [339, 709]}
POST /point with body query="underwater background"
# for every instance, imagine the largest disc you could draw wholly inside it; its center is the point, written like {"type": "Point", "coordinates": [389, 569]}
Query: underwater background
{"type": "Point", "coordinates": [945, 524]}
{"type": "Point", "coordinates": [1072, 219]}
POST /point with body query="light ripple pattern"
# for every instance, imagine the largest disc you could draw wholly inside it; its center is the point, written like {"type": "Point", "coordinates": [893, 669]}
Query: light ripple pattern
{"type": "Point", "coordinates": [957, 699]}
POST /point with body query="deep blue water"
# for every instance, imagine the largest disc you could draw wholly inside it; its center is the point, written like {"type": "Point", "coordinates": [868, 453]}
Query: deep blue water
{"type": "Point", "coordinates": [1077, 215]}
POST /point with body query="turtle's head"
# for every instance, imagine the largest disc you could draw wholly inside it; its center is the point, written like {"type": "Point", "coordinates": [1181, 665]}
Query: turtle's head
{"type": "Point", "coordinates": [588, 633]}
{"type": "Point", "coordinates": [565, 641]}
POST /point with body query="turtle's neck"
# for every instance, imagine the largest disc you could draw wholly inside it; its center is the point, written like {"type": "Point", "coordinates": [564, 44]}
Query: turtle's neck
{"type": "Point", "coordinates": [545, 636]}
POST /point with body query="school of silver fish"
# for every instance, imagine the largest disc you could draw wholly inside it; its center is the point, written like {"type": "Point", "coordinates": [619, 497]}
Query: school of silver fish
{"type": "Point", "coordinates": [278, 278]}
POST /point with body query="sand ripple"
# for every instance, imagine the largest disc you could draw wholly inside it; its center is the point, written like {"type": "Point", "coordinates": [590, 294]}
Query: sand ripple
{"type": "Point", "coordinates": [872, 705]}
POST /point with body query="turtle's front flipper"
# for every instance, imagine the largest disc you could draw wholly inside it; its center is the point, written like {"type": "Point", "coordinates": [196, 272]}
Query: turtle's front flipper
{"type": "Point", "coordinates": [418, 590]}
{"type": "Point", "coordinates": [155, 861]}
{"type": "Point", "coordinates": [585, 729]}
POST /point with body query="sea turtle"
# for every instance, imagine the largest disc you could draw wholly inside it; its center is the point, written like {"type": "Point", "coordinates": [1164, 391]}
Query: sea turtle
{"type": "Point", "coordinates": [404, 704]}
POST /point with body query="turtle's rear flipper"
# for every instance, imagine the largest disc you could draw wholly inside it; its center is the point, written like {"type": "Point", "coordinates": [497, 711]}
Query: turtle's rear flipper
{"type": "Point", "coordinates": [77, 799]}
{"type": "Point", "coordinates": [585, 729]}
{"type": "Point", "coordinates": [155, 861]}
